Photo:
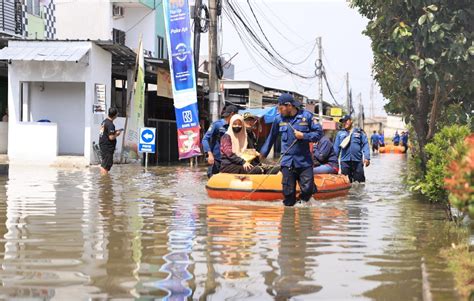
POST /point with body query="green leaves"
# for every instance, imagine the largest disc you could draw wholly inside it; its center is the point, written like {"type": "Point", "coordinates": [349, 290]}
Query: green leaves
{"type": "Point", "coordinates": [431, 17]}
{"type": "Point", "coordinates": [432, 7]}
{"type": "Point", "coordinates": [415, 83]}
{"type": "Point", "coordinates": [435, 27]}
{"type": "Point", "coordinates": [414, 57]}
{"type": "Point", "coordinates": [422, 19]}
{"type": "Point", "coordinates": [471, 50]}
{"type": "Point", "coordinates": [430, 61]}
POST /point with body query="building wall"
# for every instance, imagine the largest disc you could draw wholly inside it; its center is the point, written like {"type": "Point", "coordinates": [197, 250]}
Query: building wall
{"type": "Point", "coordinates": [35, 27]}
{"type": "Point", "coordinates": [3, 137]}
{"type": "Point", "coordinates": [97, 71]}
{"type": "Point", "coordinates": [138, 21]}
{"type": "Point", "coordinates": [63, 104]}
{"type": "Point", "coordinates": [160, 29]}
{"type": "Point", "coordinates": [84, 19]}
{"type": "Point", "coordinates": [394, 123]}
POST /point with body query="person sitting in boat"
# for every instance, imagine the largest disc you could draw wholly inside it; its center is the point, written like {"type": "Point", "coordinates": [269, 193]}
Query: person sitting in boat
{"type": "Point", "coordinates": [250, 122]}
{"type": "Point", "coordinates": [235, 157]}
{"type": "Point", "coordinates": [324, 157]}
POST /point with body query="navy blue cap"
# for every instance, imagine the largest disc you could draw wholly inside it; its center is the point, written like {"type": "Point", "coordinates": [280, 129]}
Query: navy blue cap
{"type": "Point", "coordinates": [231, 109]}
{"type": "Point", "coordinates": [345, 118]}
{"type": "Point", "coordinates": [286, 98]}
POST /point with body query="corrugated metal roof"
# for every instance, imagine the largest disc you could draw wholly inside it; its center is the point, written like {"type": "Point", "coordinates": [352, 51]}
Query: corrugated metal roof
{"type": "Point", "coordinates": [62, 53]}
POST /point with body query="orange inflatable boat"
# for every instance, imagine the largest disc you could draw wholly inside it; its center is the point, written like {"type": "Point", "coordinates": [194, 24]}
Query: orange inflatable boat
{"type": "Point", "coordinates": [268, 187]}
{"type": "Point", "coordinates": [391, 149]}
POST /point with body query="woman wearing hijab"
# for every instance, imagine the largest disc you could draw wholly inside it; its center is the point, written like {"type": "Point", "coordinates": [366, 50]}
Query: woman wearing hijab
{"type": "Point", "coordinates": [233, 146]}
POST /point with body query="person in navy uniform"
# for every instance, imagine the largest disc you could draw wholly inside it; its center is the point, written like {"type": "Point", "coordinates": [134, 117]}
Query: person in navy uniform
{"type": "Point", "coordinates": [396, 139]}
{"type": "Point", "coordinates": [404, 140]}
{"type": "Point", "coordinates": [375, 141]}
{"type": "Point", "coordinates": [352, 146]}
{"type": "Point", "coordinates": [211, 142]}
{"type": "Point", "coordinates": [325, 159]}
{"type": "Point", "coordinates": [298, 128]}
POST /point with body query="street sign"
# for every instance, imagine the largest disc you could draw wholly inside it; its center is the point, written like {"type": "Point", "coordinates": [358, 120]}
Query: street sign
{"type": "Point", "coordinates": [147, 140]}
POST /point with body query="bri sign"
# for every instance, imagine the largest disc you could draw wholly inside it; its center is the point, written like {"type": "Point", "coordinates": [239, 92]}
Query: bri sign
{"type": "Point", "coordinates": [178, 28]}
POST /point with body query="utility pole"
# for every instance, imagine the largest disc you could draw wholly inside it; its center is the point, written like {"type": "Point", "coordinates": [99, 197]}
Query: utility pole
{"type": "Point", "coordinates": [348, 96]}
{"type": "Point", "coordinates": [361, 112]}
{"type": "Point", "coordinates": [319, 66]}
{"type": "Point", "coordinates": [213, 80]}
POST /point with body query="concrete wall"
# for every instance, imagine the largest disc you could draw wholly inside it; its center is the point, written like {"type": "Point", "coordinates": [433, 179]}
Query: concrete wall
{"type": "Point", "coordinates": [35, 27]}
{"type": "Point", "coordinates": [63, 104]}
{"type": "Point", "coordinates": [33, 143]}
{"type": "Point", "coordinates": [97, 71]}
{"type": "Point", "coordinates": [84, 19]}
{"type": "Point", "coordinates": [138, 21]}
{"type": "Point", "coordinates": [3, 137]}
{"type": "Point", "coordinates": [394, 123]}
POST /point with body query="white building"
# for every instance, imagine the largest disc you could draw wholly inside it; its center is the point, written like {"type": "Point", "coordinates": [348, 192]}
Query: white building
{"type": "Point", "coordinates": [122, 22]}
{"type": "Point", "coordinates": [394, 124]}
{"type": "Point", "coordinates": [54, 81]}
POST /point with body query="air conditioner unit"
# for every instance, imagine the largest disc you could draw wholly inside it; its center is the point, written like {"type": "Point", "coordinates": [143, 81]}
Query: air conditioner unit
{"type": "Point", "coordinates": [117, 11]}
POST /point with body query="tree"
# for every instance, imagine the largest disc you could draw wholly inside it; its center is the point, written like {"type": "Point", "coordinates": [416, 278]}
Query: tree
{"type": "Point", "coordinates": [422, 58]}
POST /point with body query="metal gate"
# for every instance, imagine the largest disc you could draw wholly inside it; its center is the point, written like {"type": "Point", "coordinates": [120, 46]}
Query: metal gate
{"type": "Point", "coordinates": [166, 141]}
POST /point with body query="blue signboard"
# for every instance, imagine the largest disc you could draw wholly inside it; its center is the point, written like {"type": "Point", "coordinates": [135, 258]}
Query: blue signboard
{"type": "Point", "coordinates": [147, 143]}
{"type": "Point", "coordinates": [178, 27]}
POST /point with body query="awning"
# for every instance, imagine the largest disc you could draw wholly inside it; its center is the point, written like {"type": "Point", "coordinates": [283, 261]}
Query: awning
{"type": "Point", "coordinates": [268, 114]}
{"type": "Point", "coordinates": [53, 52]}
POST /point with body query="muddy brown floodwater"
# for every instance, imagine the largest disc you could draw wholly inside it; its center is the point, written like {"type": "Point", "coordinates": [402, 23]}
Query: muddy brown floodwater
{"type": "Point", "coordinates": [72, 235]}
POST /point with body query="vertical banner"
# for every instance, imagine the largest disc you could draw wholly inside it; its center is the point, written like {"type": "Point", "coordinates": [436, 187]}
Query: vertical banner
{"type": "Point", "coordinates": [178, 28]}
{"type": "Point", "coordinates": [137, 105]}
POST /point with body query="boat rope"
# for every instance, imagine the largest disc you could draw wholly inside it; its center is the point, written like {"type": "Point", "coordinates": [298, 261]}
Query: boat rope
{"type": "Point", "coordinates": [269, 173]}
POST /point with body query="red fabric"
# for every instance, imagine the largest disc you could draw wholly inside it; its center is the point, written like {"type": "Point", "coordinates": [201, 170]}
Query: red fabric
{"type": "Point", "coordinates": [226, 146]}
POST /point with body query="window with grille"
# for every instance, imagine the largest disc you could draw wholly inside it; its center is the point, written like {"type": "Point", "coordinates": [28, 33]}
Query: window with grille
{"type": "Point", "coordinates": [118, 36]}
{"type": "Point", "coordinates": [33, 7]}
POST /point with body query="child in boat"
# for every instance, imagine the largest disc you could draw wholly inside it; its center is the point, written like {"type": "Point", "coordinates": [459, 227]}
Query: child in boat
{"type": "Point", "coordinates": [235, 157]}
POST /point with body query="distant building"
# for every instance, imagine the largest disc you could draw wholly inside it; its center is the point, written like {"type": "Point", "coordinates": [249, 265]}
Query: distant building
{"type": "Point", "coordinates": [394, 123]}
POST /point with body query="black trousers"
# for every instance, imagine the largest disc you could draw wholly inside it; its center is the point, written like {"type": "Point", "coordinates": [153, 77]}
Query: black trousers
{"type": "Point", "coordinates": [305, 178]}
{"type": "Point", "coordinates": [354, 170]}
{"type": "Point", "coordinates": [107, 160]}
{"type": "Point", "coordinates": [239, 169]}
{"type": "Point", "coordinates": [213, 169]}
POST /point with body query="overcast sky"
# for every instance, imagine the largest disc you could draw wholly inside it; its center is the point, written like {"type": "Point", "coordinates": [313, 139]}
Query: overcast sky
{"type": "Point", "coordinates": [346, 49]}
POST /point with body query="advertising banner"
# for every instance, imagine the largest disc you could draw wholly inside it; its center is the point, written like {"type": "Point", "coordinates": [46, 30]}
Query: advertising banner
{"type": "Point", "coordinates": [178, 28]}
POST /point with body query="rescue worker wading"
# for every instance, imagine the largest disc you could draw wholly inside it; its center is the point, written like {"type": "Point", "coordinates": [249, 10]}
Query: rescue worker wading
{"type": "Point", "coordinates": [351, 143]}
{"type": "Point", "coordinates": [211, 142]}
{"type": "Point", "coordinates": [298, 128]}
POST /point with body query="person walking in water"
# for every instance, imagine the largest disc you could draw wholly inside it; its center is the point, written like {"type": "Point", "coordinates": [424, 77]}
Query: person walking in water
{"type": "Point", "coordinates": [375, 141]}
{"type": "Point", "coordinates": [108, 141]}
{"type": "Point", "coordinates": [298, 128]}
{"type": "Point", "coordinates": [352, 146]}
{"type": "Point", "coordinates": [396, 139]}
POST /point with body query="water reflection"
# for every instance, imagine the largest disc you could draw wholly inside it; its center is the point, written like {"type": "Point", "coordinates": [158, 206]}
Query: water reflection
{"type": "Point", "coordinates": [156, 235]}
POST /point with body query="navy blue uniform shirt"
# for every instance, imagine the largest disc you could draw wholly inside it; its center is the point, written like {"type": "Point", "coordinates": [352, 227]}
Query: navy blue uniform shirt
{"type": "Point", "coordinates": [353, 152]}
{"type": "Point", "coordinates": [299, 155]}
{"type": "Point", "coordinates": [211, 142]}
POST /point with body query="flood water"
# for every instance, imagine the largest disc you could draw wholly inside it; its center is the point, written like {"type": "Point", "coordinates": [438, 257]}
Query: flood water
{"type": "Point", "coordinates": [72, 235]}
